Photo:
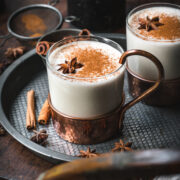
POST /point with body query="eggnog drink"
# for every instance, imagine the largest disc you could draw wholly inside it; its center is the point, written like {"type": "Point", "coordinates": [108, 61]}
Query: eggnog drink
{"type": "Point", "coordinates": [93, 89]}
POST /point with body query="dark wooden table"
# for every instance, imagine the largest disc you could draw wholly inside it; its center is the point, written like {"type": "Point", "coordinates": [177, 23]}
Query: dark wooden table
{"type": "Point", "coordinates": [16, 161]}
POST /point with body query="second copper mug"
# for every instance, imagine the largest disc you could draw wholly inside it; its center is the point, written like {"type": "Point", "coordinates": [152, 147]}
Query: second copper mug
{"type": "Point", "coordinates": [165, 46]}
{"type": "Point", "coordinates": [102, 118]}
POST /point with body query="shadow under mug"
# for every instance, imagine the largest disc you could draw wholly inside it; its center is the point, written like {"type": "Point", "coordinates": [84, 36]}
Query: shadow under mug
{"type": "Point", "coordinates": [103, 127]}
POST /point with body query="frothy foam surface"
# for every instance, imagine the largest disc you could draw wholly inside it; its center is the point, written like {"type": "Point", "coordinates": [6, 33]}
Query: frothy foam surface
{"type": "Point", "coordinates": [170, 17]}
{"type": "Point", "coordinates": [99, 59]}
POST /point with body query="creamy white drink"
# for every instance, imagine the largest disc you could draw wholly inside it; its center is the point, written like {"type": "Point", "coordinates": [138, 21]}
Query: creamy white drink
{"type": "Point", "coordinates": [163, 41]}
{"type": "Point", "coordinates": [94, 89]}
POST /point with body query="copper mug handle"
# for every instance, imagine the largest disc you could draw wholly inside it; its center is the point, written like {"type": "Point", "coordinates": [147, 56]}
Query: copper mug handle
{"type": "Point", "coordinates": [148, 91]}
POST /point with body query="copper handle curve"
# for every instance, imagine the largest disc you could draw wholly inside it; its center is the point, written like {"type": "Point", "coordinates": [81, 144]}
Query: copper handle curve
{"type": "Point", "coordinates": [152, 88]}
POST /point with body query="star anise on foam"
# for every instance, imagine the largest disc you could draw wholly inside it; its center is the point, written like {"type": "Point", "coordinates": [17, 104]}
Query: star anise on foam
{"type": "Point", "coordinates": [88, 154]}
{"type": "Point", "coordinates": [70, 66]}
{"type": "Point", "coordinates": [149, 24]}
{"type": "Point", "coordinates": [121, 146]}
{"type": "Point", "coordinates": [39, 137]}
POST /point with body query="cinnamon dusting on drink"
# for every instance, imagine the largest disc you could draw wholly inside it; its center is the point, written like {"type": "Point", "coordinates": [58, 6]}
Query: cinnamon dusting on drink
{"type": "Point", "coordinates": [162, 26]}
{"type": "Point", "coordinates": [95, 62]}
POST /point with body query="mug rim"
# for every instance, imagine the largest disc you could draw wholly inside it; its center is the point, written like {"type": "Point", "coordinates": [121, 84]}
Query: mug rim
{"type": "Point", "coordinates": [86, 38]}
{"type": "Point", "coordinates": [147, 6]}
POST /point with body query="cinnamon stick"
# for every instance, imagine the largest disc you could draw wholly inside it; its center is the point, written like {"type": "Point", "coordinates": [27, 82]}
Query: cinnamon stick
{"type": "Point", "coordinates": [42, 47]}
{"type": "Point", "coordinates": [30, 115]}
{"type": "Point", "coordinates": [45, 113]}
{"type": "Point", "coordinates": [84, 32]}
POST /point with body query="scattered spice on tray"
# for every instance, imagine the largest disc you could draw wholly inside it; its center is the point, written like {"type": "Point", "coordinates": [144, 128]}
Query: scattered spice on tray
{"type": "Point", "coordinates": [88, 154]}
{"type": "Point", "coordinates": [40, 137]}
{"type": "Point", "coordinates": [2, 131]}
{"type": "Point", "coordinates": [30, 115]}
{"type": "Point", "coordinates": [84, 32]}
{"type": "Point", "coordinates": [13, 53]}
{"type": "Point", "coordinates": [121, 146]}
{"type": "Point", "coordinates": [149, 24]}
{"type": "Point", "coordinates": [70, 66]}
{"type": "Point", "coordinates": [42, 47]}
{"type": "Point", "coordinates": [45, 113]}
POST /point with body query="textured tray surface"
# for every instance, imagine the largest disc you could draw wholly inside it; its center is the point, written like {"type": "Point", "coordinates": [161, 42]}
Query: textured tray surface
{"type": "Point", "coordinates": [146, 126]}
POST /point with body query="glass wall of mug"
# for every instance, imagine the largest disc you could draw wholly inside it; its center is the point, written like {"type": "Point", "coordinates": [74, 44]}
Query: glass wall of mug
{"type": "Point", "coordinates": [88, 96]}
{"type": "Point", "coordinates": [155, 28]}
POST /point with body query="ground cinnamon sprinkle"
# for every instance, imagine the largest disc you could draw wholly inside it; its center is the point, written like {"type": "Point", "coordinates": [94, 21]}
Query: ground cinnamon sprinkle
{"type": "Point", "coordinates": [170, 30]}
{"type": "Point", "coordinates": [36, 35]}
{"type": "Point", "coordinates": [95, 62]}
{"type": "Point", "coordinates": [34, 24]}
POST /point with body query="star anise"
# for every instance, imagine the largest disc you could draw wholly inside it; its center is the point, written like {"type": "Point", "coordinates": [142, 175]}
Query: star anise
{"type": "Point", "coordinates": [70, 66]}
{"type": "Point", "coordinates": [149, 24]}
{"type": "Point", "coordinates": [14, 52]}
{"type": "Point", "coordinates": [121, 146]}
{"type": "Point", "coordinates": [39, 137]}
{"type": "Point", "coordinates": [2, 131]}
{"type": "Point", "coordinates": [89, 153]}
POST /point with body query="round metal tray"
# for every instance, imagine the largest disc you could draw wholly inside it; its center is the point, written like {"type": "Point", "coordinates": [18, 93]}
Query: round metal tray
{"type": "Point", "coordinates": [146, 126]}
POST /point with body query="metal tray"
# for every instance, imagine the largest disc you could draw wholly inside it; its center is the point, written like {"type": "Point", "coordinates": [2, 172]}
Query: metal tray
{"type": "Point", "coordinates": [146, 126]}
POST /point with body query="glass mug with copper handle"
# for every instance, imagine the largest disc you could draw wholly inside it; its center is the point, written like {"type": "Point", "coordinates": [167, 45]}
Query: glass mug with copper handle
{"type": "Point", "coordinates": [91, 111]}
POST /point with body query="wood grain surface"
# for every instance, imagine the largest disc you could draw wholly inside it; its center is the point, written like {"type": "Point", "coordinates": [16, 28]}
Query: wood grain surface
{"type": "Point", "coordinates": [16, 161]}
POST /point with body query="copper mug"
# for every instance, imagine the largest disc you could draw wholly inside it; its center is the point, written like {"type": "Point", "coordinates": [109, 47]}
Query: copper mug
{"type": "Point", "coordinates": [98, 127]}
{"type": "Point", "coordinates": [142, 74]}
